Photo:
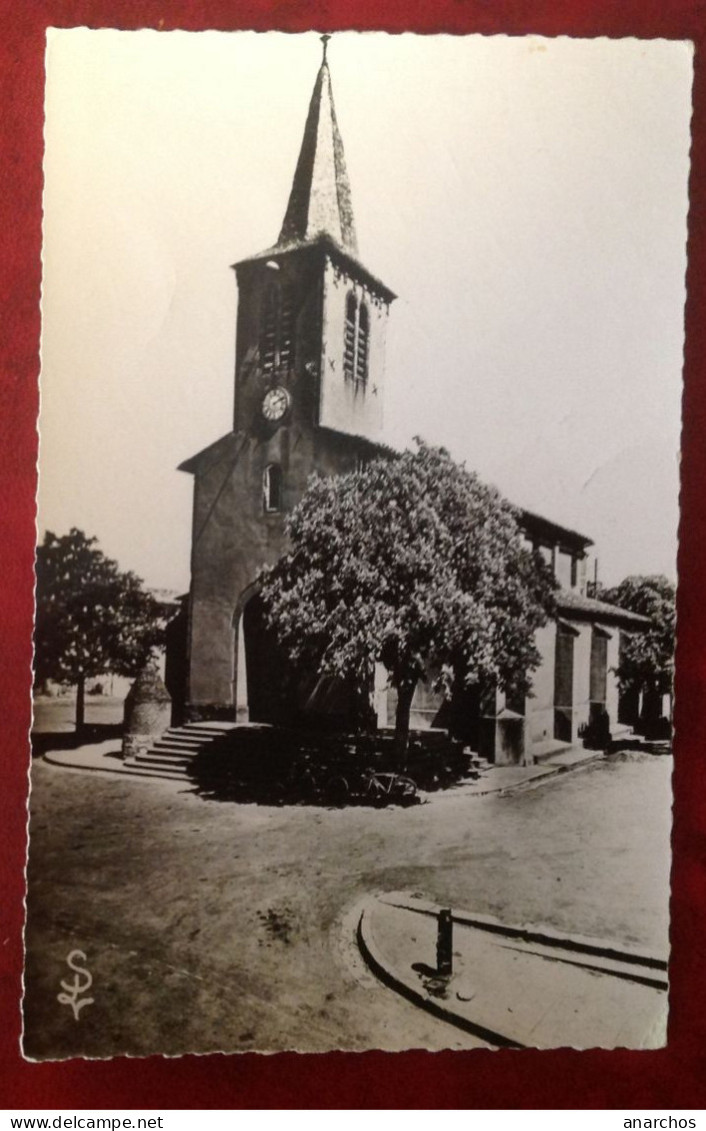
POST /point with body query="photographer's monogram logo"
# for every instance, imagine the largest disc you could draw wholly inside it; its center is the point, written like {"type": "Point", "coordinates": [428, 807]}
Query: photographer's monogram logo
{"type": "Point", "coordinates": [83, 980]}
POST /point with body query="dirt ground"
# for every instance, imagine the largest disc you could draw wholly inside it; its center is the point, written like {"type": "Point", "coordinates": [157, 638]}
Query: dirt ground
{"type": "Point", "coordinates": [215, 926]}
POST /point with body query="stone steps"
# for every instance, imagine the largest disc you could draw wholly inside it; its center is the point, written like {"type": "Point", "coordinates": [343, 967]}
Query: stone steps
{"type": "Point", "coordinates": [477, 766]}
{"type": "Point", "coordinates": [162, 758]}
{"type": "Point", "coordinates": [136, 771]}
{"type": "Point", "coordinates": [154, 770]}
{"type": "Point", "coordinates": [543, 751]}
{"type": "Point", "coordinates": [621, 731]}
{"type": "Point", "coordinates": [176, 742]}
{"type": "Point", "coordinates": [170, 755]}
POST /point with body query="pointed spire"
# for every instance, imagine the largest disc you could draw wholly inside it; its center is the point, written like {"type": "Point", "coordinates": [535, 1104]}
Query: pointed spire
{"type": "Point", "coordinates": [320, 200]}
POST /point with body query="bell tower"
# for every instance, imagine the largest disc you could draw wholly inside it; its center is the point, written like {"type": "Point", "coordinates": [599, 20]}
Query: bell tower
{"type": "Point", "coordinates": [311, 318]}
{"type": "Point", "coordinates": [309, 377]}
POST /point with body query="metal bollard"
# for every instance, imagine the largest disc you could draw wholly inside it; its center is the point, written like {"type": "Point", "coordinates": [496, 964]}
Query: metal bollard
{"type": "Point", "coordinates": [444, 943]}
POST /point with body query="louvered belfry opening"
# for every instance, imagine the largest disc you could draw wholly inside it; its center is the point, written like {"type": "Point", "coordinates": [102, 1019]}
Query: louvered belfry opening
{"type": "Point", "coordinates": [361, 360]}
{"type": "Point", "coordinates": [356, 341]}
{"type": "Point", "coordinates": [350, 336]}
{"type": "Point", "coordinates": [277, 329]}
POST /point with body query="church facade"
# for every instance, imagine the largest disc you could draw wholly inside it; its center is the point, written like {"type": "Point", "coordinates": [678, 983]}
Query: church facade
{"type": "Point", "coordinates": [309, 384]}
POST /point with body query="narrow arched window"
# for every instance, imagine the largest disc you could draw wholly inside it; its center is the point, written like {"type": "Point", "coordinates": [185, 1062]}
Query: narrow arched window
{"type": "Point", "coordinates": [356, 341]}
{"type": "Point", "coordinates": [361, 358]}
{"type": "Point", "coordinates": [350, 334]}
{"type": "Point", "coordinates": [276, 329]}
{"type": "Point", "coordinates": [272, 488]}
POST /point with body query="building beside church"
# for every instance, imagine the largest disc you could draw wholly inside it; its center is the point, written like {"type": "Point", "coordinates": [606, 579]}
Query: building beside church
{"type": "Point", "coordinates": [309, 386]}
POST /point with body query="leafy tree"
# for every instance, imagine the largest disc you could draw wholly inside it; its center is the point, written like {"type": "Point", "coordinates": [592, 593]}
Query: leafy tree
{"type": "Point", "coordinates": [647, 658]}
{"type": "Point", "coordinates": [415, 562]}
{"type": "Point", "coordinates": [91, 619]}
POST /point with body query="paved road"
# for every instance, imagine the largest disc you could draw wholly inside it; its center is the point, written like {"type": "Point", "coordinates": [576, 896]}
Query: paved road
{"type": "Point", "coordinates": [210, 926]}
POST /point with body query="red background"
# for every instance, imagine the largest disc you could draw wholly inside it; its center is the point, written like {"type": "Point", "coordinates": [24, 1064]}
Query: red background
{"type": "Point", "coordinates": [673, 1077]}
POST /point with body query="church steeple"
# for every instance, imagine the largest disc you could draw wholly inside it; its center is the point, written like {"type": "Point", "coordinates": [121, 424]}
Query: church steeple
{"type": "Point", "coordinates": [311, 316]}
{"type": "Point", "coordinates": [320, 200]}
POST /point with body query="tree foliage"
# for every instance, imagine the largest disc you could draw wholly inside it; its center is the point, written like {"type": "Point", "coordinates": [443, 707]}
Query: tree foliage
{"type": "Point", "coordinates": [91, 618]}
{"type": "Point", "coordinates": [647, 658]}
{"type": "Point", "coordinates": [415, 562]}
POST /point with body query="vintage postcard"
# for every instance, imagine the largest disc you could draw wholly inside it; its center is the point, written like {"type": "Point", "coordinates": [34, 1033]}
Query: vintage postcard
{"type": "Point", "coordinates": [361, 382]}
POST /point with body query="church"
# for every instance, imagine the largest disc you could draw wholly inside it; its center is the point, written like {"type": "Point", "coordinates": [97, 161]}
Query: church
{"type": "Point", "coordinates": [309, 390]}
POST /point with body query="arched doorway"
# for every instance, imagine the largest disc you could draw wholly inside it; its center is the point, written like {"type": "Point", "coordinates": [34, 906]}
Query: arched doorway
{"type": "Point", "coordinates": [270, 689]}
{"type": "Point", "coordinates": [268, 677]}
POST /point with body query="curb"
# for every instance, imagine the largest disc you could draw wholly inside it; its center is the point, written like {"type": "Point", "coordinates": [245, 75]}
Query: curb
{"type": "Point", "coordinates": [548, 773]}
{"type": "Point", "coordinates": [555, 771]}
{"type": "Point", "coordinates": [540, 933]}
{"type": "Point", "coordinates": [593, 955]}
{"type": "Point", "coordinates": [407, 990]}
{"type": "Point", "coordinates": [54, 758]}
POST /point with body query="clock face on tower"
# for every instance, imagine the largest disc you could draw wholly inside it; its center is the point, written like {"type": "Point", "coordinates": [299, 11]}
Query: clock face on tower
{"type": "Point", "coordinates": [275, 403]}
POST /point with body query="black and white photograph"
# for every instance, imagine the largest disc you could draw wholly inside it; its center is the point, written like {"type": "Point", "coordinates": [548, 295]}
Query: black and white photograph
{"type": "Point", "coordinates": [361, 379]}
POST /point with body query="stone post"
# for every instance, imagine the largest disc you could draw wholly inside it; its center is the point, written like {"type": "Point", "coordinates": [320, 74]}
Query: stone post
{"type": "Point", "coordinates": [444, 943]}
{"type": "Point", "coordinates": [148, 710]}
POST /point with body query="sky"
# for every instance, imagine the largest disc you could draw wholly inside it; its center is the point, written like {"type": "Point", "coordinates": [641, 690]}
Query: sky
{"type": "Point", "coordinates": [525, 198]}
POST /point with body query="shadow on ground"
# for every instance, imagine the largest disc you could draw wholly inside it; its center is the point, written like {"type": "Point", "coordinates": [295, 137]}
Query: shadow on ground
{"type": "Point", "coordinates": [71, 740]}
{"type": "Point", "coordinates": [278, 767]}
{"type": "Point", "coordinates": [641, 746]}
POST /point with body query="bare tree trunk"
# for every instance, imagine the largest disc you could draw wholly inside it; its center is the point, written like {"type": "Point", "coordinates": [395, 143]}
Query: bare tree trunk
{"type": "Point", "coordinates": [80, 703]}
{"type": "Point", "coordinates": [405, 694]}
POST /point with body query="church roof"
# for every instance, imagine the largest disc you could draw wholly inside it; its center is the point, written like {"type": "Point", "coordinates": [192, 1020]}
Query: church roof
{"type": "Point", "coordinates": [331, 247]}
{"type": "Point", "coordinates": [578, 606]}
{"type": "Point", "coordinates": [219, 449]}
{"type": "Point", "coordinates": [546, 530]}
{"type": "Point", "coordinates": [320, 200]}
{"type": "Point", "coordinates": [223, 447]}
